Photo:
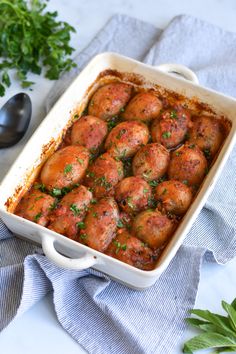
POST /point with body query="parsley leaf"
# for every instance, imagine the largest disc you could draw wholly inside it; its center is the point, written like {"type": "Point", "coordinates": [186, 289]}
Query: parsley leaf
{"type": "Point", "coordinates": [80, 225]}
{"type": "Point", "coordinates": [32, 38]}
{"type": "Point", "coordinates": [67, 169]}
{"type": "Point", "coordinates": [76, 211]}
{"type": "Point", "coordinates": [166, 135]}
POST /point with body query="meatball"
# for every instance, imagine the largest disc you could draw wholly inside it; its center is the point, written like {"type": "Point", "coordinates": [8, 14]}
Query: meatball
{"type": "Point", "coordinates": [171, 128]}
{"type": "Point", "coordinates": [131, 250]}
{"type": "Point", "coordinates": [207, 134]}
{"type": "Point", "coordinates": [65, 167]}
{"type": "Point", "coordinates": [70, 212]}
{"type": "Point", "coordinates": [153, 228]}
{"type": "Point", "coordinates": [109, 100]}
{"type": "Point", "coordinates": [90, 132]}
{"type": "Point", "coordinates": [174, 197]}
{"type": "Point", "coordinates": [100, 224]}
{"type": "Point", "coordinates": [144, 106]}
{"type": "Point", "coordinates": [151, 162]}
{"type": "Point", "coordinates": [126, 138]}
{"type": "Point", "coordinates": [188, 165]}
{"type": "Point", "coordinates": [103, 175]}
{"type": "Point", "coordinates": [36, 206]}
{"type": "Point", "coordinates": [133, 194]}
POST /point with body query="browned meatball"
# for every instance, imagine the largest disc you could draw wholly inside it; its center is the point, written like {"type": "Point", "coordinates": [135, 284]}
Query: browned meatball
{"type": "Point", "coordinates": [207, 134]}
{"type": "Point", "coordinates": [174, 197]}
{"type": "Point", "coordinates": [70, 212]}
{"type": "Point", "coordinates": [100, 224]}
{"type": "Point", "coordinates": [126, 138]}
{"type": "Point", "coordinates": [151, 162]}
{"type": "Point", "coordinates": [65, 167]}
{"type": "Point", "coordinates": [90, 132]}
{"type": "Point", "coordinates": [188, 165]}
{"type": "Point", "coordinates": [35, 206]}
{"type": "Point", "coordinates": [144, 106]}
{"type": "Point", "coordinates": [131, 250]}
{"type": "Point", "coordinates": [170, 129]}
{"type": "Point", "coordinates": [109, 99]}
{"type": "Point", "coordinates": [133, 194]}
{"type": "Point", "coordinates": [153, 228]}
{"type": "Point", "coordinates": [103, 175]}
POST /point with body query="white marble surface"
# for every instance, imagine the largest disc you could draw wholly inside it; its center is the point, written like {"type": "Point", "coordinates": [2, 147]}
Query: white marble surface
{"type": "Point", "coordinates": [38, 331]}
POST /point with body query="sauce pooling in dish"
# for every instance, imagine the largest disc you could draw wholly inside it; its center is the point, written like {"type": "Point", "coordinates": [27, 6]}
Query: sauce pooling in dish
{"type": "Point", "coordinates": [126, 173]}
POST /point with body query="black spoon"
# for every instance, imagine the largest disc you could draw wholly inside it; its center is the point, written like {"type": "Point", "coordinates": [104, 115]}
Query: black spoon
{"type": "Point", "coordinates": [14, 119]}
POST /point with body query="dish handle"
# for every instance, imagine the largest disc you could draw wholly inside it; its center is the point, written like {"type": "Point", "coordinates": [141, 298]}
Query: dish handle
{"type": "Point", "coordinates": [179, 70]}
{"type": "Point", "coordinates": [48, 245]}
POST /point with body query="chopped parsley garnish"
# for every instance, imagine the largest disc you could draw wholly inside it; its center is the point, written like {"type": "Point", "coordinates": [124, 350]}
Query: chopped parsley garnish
{"type": "Point", "coordinates": [81, 161]}
{"type": "Point", "coordinates": [67, 169]}
{"type": "Point", "coordinates": [164, 191]}
{"type": "Point", "coordinates": [119, 246]}
{"type": "Point", "coordinates": [121, 132]}
{"type": "Point", "coordinates": [56, 192]}
{"type": "Point", "coordinates": [37, 217]}
{"type": "Point", "coordinates": [90, 174]}
{"type": "Point", "coordinates": [166, 135]}
{"type": "Point", "coordinates": [173, 114]}
{"type": "Point", "coordinates": [76, 211]}
{"type": "Point", "coordinates": [192, 146]}
{"type": "Point", "coordinates": [153, 183]}
{"type": "Point", "coordinates": [94, 201]}
{"type": "Point", "coordinates": [83, 236]}
{"type": "Point", "coordinates": [76, 116]}
{"type": "Point", "coordinates": [120, 224]}
{"type": "Point", "coordinates": [112, 123]}
{"type": "Point", "coordinates": [95, 214]}
{"type": "Point", "coordinates": [185, 182]}
{"type": "Point", "coordinates": [207, 153]}
{"type": "Point", "coordinates": [40, 186]}
{"type": "Point", "coordinates": [39, 197]}
{"type": "Point", "coordinates": [80, 225]}
{"type": "Point", "coordinates": [101, 181]}
{"type": "Point", "coordinates": [53, 206]}
{"type": "Point", "coordinates": [122, 110]}
{"type": "Point", "coordinates": [129, 202]}
{"type": "Point", "coordinates": [177, 153]}
{"type": "Point", "coordinates": [145, 190]}
{"type": "Point", "coordinates": [144, 244]}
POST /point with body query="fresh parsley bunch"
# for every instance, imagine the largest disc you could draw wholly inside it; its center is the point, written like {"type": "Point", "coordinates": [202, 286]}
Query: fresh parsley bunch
{"type": "Point", "coordinates": [219, 332]}
{"type": "Point", "coordinates": [31, 38]}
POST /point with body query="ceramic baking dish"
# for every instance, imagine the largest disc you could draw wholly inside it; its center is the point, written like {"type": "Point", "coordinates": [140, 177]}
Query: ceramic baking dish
{"type": "Point", "coordinates": [68, 253]}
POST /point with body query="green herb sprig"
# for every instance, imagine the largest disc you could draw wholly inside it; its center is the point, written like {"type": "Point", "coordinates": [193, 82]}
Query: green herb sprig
{"type": "Point", "coordinates": [30, 39]}
{"type": "Point", "coordinates": [219, 332]}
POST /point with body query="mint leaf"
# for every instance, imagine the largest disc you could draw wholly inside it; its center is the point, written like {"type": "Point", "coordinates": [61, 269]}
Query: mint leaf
{"type": "Point", "coordinates": [216, 319]}
{"type": "Point", "coordinates": [219, 331]}
{"type": "Point", "coordinates": [233, 303]}
{"type": "Point", "coordinates": [208, 340]}
{"type": "Point", "coordinates": [231, 312]}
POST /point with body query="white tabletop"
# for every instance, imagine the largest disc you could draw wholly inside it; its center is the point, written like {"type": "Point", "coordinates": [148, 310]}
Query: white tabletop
{"type": "Point", "coordinates": [38, 330]}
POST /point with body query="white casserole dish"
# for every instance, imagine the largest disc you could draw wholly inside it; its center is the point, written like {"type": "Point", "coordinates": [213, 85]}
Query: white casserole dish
{"type": "Point", "coordinates": [68, 253]}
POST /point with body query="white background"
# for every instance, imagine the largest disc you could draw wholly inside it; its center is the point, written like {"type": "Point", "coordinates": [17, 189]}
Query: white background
{"type": "Point", "coordinates": [38, 331]}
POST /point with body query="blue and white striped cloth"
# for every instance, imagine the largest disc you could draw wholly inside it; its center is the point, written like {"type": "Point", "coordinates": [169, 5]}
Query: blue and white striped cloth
{"type": "Point", "coordinates": [102, 315]}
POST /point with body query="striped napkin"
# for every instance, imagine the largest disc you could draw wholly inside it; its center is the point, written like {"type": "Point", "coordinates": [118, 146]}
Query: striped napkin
{"type": "Point", "coordinates": [102, 315]}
